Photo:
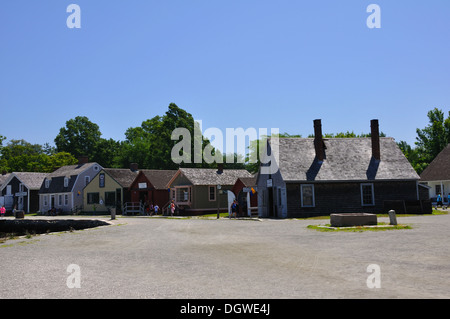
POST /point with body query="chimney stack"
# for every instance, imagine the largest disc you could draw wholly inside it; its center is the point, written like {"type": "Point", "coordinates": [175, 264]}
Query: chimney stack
{"type": "Point", "coordinates": [219, 168]}
{"type": "Point", "coordinates": [83, 160]}
{"type": "Point", "coordinates": [375, 135]}
{"type": "Point", "coordinates": [318, 141]}
{"type": "Point", "coordinates": [134, 167]}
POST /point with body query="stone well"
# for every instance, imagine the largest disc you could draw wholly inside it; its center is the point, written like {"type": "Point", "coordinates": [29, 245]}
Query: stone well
{"type": "Point", "coordinates": [352, 219]}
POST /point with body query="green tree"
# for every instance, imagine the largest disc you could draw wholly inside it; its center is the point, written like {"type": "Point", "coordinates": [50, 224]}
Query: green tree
{"type": "Point", "coordinates": [431, 140]}
{"type": "Point", "coordinates": [150, 145]}
{"type": "Point", "coordinates": [79, 137]}
{"type": "Point", "coordinates": [22, 156]}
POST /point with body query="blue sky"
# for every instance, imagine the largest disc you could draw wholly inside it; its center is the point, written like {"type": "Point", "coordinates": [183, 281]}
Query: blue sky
{"type": "Point", "coordinates": [231, 63]}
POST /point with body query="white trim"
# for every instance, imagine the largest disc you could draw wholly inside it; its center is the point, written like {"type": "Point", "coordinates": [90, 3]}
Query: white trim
{"type": "Point", "coordinates": [362, 197]}
{"type": "Point", "coordinates": [313, 195]}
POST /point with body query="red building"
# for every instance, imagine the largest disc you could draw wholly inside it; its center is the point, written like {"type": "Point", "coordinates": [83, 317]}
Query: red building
{"type": "Point", "coordinates": [246, 194]}
{"type": "Point", "coordinates": [150, 187]}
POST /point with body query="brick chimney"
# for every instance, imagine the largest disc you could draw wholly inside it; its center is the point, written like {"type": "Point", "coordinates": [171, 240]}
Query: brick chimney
{"type": "Point", "coordinates": [219, 168]}
{"type": "Point", "coordinates": [134, 167]}
{"type": "Point", "coordinates": [375, 135]}
{"type": "Point", "coordinates": [319, 146]}
{"type": "Point", "coordinates": [83, 160]}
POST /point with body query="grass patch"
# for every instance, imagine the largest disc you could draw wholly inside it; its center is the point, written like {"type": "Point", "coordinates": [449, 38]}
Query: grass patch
{"type": "Point", "coordinates": [358, 229]}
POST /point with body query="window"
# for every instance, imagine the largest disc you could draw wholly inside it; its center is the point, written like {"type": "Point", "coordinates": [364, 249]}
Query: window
{"type": "Point", "coordinates": [66, 182]}
{"type": "Point", "coordinates": [438, 190]}
{"type": "Point", "coordinates": [87, 179]}
{"type": "Point", "coordinates": [367, 195]}
{"type": "Point", "coordinates": [212, 193]}
{"type": "Point", "coordinates": [45, 200]}
{"type": "Point", "coordinates": [20, 188]}
{"type": "Point", "coordinates": [183, 195]}
{"type": "Point", "coordinates": [47, 183]}
{"type": "Point", "coordinates": [66, 200]}
{"type": "Point", "coordinates": [307, 195]}
{"type": "Point", "coordinates": [110, 198]}
{"type": "Point", "coordinates": [93, 198]}
{"type": "Point", "coordinates": [60, 198]}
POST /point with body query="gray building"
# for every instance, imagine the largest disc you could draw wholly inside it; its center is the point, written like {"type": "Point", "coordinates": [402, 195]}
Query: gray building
{"type": "Point", "coordinates": [319, 176]}
{"type": "Point", "coordinates": [62, 190]}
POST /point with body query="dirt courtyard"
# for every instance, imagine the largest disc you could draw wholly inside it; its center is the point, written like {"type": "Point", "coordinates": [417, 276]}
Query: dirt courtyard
{"type": "Point", "coordinates": [246, 259]}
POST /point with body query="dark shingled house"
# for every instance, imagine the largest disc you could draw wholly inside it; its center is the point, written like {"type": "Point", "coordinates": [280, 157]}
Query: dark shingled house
{"type": "Point", "coordinates": [319, 176]}
{"type": "Point", "coordinates": [21, 190]}
{"type": "Point", "coordinates": [437, 175]}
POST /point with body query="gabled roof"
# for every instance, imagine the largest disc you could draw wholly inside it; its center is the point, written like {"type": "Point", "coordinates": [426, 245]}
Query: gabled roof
{"type": "Point", "coordinates": [31, 180]}
{"type": "Point", "coordinates": [3, 179]}
{"type": "Point", "coordinates": [439, 168]}
{"type": "Point", "coordinates": [71, 170]}
{"type": "Point", "coordinates": [346, 159]}
{"type": "Point", "coordinates": [209, 176]}
{"type": "Point", "coordinates": [248, 181]}
{"type": "Point", "coordinates": [123, 176]}
{"type": "Point", "coordinates": [158, 178]}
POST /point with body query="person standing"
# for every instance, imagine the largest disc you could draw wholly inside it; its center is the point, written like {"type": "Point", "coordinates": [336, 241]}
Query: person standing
{"type": "Point", "coordinates": [234, 208]}
{"type": "Point", "coordinates": [2, 211]}
{"type": "Point", "coordinates": [439, 200]}
{"type": "Point", "coordinates": [172, 208]}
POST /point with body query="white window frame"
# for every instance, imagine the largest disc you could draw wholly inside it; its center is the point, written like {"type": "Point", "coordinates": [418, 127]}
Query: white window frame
{"type": "Point", "coordinates": [47, 183]}
{"type": "Point", "coordinates": [209, 193]}
{"type": "Point", "coordinates": [183, 202]}
{"type": "Point", "coordinates": [21, 188]}
{"type": "Point", "coordinates": [87, 180]}
{"type": "Point", "coordinates": [60, 200]}
{"type": "Point", "coordinates": [45, 197]}
{"type": "Point", "coordinates": [313, 195]}
{"type": "Point", "coordinates": [66, 200]}
{"type": "Point", "coordinates": [66, 182]}
{"type": "Point", "coordinates": [362, 196]}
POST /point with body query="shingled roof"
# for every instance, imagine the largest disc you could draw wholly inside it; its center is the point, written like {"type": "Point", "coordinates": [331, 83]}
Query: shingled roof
{"type": "Point", "coordinates": [346, 159]}
{"type": "Point", "coordinates": [159, 178]}
{"type": "Point", "coordinates": [209, 176]}
{"type": "Point", "coordinates": [3, 178]}
{"type": "Point", "coordinates": [31, 180]}
{"type": "Point", "coordinates": [439, 168]}
{"type": "Point", "coordinates": [71, 170]}
{"type": "Point", "coordinates": [123, 176]}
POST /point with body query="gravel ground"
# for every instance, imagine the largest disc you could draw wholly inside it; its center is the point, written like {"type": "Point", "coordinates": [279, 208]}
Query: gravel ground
{"type": "Point", "coordinates": [196, 258]}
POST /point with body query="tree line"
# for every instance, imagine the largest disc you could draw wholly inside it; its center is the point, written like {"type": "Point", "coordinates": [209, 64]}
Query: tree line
{"type": "Point", "coordinates": [150, 145]}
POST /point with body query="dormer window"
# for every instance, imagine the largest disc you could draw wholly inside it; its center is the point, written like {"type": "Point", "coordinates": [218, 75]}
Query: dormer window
{"type": "Point", "coordinates": [66, 182]}
{"type": "Point", "coordinates": [47, 183]}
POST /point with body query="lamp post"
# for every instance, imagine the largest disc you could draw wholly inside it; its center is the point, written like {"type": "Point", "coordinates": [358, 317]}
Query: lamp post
{"type": "Point", "coordinates": [219, 187]}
